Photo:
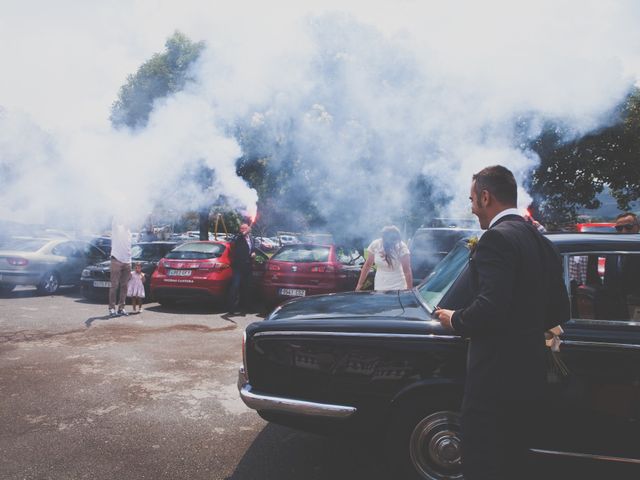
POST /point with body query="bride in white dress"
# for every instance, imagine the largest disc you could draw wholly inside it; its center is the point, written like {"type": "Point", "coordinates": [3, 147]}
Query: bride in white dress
{"type": "Point", "coordinates": [393, 262]}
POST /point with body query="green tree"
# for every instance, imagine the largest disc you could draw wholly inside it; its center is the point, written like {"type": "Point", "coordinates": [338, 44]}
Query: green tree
{"type": "Point", "coordinates": [571, 174]}
{"type": "Point", "coordinates": [162, 75]}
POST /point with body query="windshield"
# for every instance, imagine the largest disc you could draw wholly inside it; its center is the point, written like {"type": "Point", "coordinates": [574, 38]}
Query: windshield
{"type": "Point", "coordinates": [24, 244]}
{"type": "Point", "coordinates": [197, 251]}
{"type": "Point", "coordinates": [150, 252]}
{"type": "Point", "coordinates": [303, 253]}
{"type": "Point", "coordinates": [445, 273]}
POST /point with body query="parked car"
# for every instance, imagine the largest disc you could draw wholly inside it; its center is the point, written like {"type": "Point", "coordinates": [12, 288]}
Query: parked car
{"type": "Point", "coordinates": [96, 279]}
{"type": "Point", "coordinates": [265, 243]}
{"type": "Point", "coordinates": [429, 245]}
{"type": "Point", "coordinates": [304, 269]}
{"type": "Point", "coordinates": [288, 239]}
{"type": "Point", "coordinates": [47, 263]}
{"type": "Point", "coordinates": [606, 227]}
{"type": "Point", "coordinates": [199, 271]}
{"type": "Point", "coordinates": [378, 363]}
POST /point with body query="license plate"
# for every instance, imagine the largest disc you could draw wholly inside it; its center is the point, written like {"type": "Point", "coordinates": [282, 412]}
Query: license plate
{"type": "Point", "coordinates": [96, 283]}
{"type": "Point", "coordinates": [179, 273]}
{"type": "Point", "coordinates": [291, 292]}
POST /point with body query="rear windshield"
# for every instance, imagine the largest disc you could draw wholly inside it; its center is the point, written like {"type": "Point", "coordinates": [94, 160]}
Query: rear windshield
{"type": "Point", "coordinates": [150, 252]}
{"type": "Point", "coordinates": [194, 251]}
{"type": "Point", "coordinates": [303, 254]}
{"type": "Point", "coordinates": [24, 244]}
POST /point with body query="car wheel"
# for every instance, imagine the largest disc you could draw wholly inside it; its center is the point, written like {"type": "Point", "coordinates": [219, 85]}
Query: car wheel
{"type": "Point", "coordinates": [426, 441]}
{"type": "Point", "coordinates": [49, 284]}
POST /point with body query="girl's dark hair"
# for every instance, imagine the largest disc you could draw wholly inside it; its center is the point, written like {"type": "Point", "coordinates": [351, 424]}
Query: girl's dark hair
{"type": "Point", "coordinates": [390, 243]}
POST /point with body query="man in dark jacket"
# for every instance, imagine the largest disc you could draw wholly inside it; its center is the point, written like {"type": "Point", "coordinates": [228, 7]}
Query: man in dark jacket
{"type": "Point", "coordinates": [242, 252]}
{"type": "Point", "coordinates": [519, 293]}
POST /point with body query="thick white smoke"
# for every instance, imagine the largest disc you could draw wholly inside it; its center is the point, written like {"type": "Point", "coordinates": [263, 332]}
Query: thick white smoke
{"type": "Point", "coordinates": [365, 96]}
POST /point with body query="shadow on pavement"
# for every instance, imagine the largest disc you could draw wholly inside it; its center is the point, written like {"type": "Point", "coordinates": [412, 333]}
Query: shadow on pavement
{"type": "Point", "coordinates": [280, 453]}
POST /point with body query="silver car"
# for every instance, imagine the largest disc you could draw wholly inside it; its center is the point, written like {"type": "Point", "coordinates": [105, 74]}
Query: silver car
{"type": "Point", "coordinates": [47, 263]}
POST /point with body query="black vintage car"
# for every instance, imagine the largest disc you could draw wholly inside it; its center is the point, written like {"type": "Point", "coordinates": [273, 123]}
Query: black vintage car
{"type": "Point", "coordinates": [379, 363]}
{"type": "Point", "coordinates": [95, 279]}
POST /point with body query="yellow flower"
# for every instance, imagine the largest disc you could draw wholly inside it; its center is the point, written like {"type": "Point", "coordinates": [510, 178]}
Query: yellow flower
{"type": "Point", "coordinates": [472, 243]}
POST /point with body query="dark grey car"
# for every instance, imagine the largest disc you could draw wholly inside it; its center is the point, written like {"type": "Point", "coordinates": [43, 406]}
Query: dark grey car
{"type": "Point", "coordinates": [47, 263]}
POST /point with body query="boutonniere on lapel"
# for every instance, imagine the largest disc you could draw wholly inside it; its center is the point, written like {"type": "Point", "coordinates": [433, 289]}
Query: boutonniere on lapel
{"type": "Point", "coordinates": [472, 243]}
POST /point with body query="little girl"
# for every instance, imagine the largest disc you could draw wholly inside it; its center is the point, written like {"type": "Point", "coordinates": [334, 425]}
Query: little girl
{"type": "Point", "coordinates": [135, 289]}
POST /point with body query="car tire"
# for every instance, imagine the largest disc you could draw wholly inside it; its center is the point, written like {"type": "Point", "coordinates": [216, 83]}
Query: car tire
{"type": "Point", "coordinates": [424, 439]}
{"type": "Point", "coordinates": [50, 283]}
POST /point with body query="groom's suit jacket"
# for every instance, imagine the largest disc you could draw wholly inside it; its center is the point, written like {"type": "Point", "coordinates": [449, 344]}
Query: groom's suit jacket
{"type": "Point", "coordinates": [519, 292]}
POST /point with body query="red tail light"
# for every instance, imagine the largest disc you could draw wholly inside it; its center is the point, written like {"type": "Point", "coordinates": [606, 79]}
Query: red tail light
{"type": "Point", "coordinates": [161, 266]}
{"type": "Point", "coordinates": [17, 261]}
{"type": "Point", "coordinates": [273, 268]}
{"type": "Point", "coordinates": [214, 266]}
{"type": "Point", "coordinates": [323, 269]}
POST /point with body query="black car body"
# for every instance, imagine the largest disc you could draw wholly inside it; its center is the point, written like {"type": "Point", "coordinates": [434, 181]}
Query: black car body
{"type": "Point", "coordinates": [378, 362]}
{"type": "Point", "coordinates": [429, 245]}
{"type": "Point", "coordinates": [96, 279]}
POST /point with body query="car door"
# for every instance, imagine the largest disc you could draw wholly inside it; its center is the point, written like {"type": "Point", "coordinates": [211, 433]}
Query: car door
{"type": "Point", "coordinates": [594, 381]}
{"type": "Point", "coordinates": [69, 263]}
{"type": "Point", "coordinates": [350, 267]}
{"type": "Point", "coordinates": [259, 265]}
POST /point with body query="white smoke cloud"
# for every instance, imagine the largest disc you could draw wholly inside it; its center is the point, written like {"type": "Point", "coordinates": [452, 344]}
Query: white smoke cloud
{"type": "Point", "coordinates": [368, 93]}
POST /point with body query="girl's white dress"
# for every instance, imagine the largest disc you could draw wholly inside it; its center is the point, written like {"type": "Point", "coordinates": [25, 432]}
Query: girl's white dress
{"type": "Point", "coordinates": [135, 288]}
{"type": "Point", "coordinates": [388, 277]}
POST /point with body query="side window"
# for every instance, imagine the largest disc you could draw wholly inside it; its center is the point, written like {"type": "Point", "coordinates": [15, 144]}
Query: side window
{"type": "Point", "coordinates": [605, 286]}
{"type": "Point", "coordinates": [65, 249]}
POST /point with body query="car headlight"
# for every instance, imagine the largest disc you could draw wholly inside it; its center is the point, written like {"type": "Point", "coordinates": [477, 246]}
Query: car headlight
{"type": "Point", "coordinates": [86, 272]}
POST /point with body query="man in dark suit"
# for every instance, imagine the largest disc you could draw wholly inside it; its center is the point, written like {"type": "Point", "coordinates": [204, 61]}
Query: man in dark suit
{"type": "Point", "coordinates": [519, 293]}
{"type": "Point", "coordinates": [242, 251]}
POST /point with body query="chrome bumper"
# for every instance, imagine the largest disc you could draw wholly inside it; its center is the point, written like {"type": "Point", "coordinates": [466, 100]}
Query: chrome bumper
{"type": "Point", "coordinates": [258, 401]}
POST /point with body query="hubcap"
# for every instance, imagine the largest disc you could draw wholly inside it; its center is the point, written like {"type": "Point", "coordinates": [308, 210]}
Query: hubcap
{"type": "Point", "coordinates": [51, 284]}
{"type": "Point", "coordinates": [435, 447]}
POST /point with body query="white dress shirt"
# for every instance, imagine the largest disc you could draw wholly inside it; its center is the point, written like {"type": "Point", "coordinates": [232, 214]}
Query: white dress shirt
{"type": "Point", "coordinates": [504, 213]}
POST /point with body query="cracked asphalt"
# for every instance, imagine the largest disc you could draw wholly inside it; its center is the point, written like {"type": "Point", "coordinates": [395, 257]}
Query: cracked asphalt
{"type": "Point", "coordinates": [148, 396]}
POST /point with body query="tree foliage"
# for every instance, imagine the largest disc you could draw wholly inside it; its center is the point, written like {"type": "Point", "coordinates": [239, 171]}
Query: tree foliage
{"type": "Point", "coordinates": [163, 74]}
{"type": "Point", "coordinates": [571, 174]}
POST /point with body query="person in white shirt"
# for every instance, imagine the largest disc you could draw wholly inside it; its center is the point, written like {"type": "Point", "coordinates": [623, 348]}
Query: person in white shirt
{"type": "Point", "coordinates": [120, 265]}
{"type": "Point", "coordinates": [393, 262]}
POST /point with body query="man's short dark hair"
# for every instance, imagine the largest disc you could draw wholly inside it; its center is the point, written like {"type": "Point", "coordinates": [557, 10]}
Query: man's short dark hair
{"type": "Point", "coordinates": [499, 182]}
{"type": "Point", "coordinates": [628, 214]}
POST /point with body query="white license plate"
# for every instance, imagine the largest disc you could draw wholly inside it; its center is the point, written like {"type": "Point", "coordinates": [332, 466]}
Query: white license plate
{"type": "Point", "coordinates": [179, 273]}
{"type": "Point", "coordinates": [96, 283]}
{"type": "Point", "coordinates": [291, 292]}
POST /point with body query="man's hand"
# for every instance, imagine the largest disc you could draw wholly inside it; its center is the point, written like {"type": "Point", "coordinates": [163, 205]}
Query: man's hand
{"type": "Point", "coordinates": [445, 317]}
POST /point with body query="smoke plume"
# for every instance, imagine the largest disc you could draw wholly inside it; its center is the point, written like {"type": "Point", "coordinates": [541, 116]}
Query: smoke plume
{"type": "Point", "coordinates": [353, 101]}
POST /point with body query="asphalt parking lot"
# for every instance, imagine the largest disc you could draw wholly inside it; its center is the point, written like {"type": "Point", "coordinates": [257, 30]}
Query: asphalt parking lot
{"type": "Point", "coordinates": [153, 395]}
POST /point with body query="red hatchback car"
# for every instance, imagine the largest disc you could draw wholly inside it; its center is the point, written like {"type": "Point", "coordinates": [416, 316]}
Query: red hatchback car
{"type": "Point", "coordinates": [198, 270]}
{"type": "Point", "coordinates": [304, 269]}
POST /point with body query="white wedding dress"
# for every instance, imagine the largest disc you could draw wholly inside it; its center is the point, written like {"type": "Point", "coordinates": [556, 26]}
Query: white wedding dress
{"type": "Point", "coordinates": [388, 277]}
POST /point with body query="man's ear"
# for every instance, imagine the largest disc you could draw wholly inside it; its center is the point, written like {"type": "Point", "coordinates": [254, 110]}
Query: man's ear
{"type": "Point", "coordinates": [485, 196]}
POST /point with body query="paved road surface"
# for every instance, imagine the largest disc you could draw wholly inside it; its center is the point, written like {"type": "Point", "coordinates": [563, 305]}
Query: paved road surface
{"type": "Point", "coordinates": [84, 396]}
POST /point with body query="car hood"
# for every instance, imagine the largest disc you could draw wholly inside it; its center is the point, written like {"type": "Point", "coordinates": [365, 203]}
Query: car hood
{"type": "Point", "coordinates": [352, 305]}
